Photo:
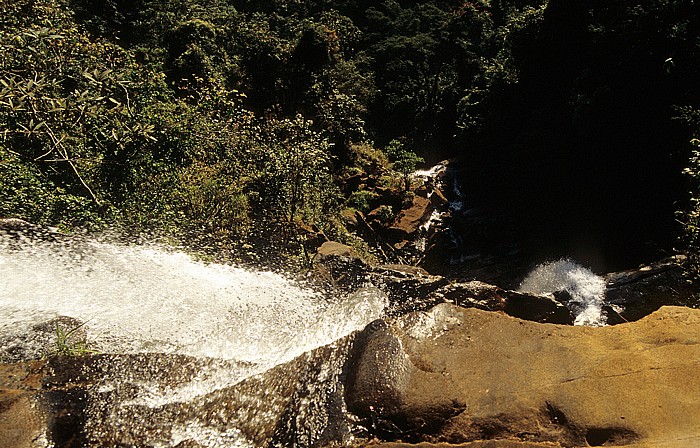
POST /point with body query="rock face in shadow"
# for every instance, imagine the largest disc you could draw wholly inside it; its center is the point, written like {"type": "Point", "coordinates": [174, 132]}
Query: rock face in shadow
{"type": "Point", "coordinates": [640, 292]}
{"type": "Point", "coordinates": [472, 375]}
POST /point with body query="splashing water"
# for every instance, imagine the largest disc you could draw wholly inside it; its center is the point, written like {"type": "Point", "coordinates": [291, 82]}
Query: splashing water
{"type": "Point", "coordinates": [235, 322]}
{"type": "Point", "coordinates": [586, 289]}
{"type": "Point", "coordinates": [148, 299]}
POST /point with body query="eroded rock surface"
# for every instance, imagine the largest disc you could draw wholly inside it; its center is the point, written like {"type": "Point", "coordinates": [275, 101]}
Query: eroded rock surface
{"type": "Point", "coordinates": [474, 375]}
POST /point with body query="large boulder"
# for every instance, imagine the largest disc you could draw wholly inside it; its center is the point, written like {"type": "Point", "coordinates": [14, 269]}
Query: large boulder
{"type": "Point", "coordinates": [461, 375]}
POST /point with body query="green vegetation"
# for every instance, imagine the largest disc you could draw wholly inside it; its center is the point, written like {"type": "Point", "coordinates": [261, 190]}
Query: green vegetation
{"type": "Point", "coordinates": [70, 343]}
{"type": "Point", "coordinates": [403, 160]}
{"type": "Point", "coordinates": [690, 217]}
{"type": "Point", "coordinates": [231, 125]}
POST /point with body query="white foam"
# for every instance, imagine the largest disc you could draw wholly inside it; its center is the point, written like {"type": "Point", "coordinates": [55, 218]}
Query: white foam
{"type": "Point", "coordinates": [148, 299]}
{"type": "Point", "coordinates": [587, 290]}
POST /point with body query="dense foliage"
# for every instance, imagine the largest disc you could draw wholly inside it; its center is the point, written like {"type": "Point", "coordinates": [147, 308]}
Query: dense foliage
{"type": "Point", "coordinates": [231, 123]}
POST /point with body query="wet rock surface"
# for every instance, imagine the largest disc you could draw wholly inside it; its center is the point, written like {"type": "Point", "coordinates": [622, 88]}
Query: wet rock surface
{"type": "Point", "coordinates": [22, 422]}
{"type": "Point", "coordinates": [172, 400]}
{"type": "Point", "coordinates": [629, 295]}
{"type": "Point", "coordinates": [24, 343]}
{"type": "Point", "coordinates": [458, 363]}
{"type": "Point", "coordinates": [464, 377]}
{"type": "Point", "coordinates": [639, 292]}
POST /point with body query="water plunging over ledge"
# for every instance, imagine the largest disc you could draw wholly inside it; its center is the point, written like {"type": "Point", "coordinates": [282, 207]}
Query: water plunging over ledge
{"type": "Point", "coordinates": [145, 302]}
{"type": "Point", "coordinates": [148, 299]}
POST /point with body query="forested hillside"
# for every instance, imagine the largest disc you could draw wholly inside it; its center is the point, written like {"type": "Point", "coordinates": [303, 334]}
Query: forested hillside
{"type": "Point", "coordinates": [233, 124]}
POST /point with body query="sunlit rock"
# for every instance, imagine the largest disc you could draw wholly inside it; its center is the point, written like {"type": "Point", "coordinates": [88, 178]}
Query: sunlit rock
{"type": "Point", "coordinates": [509, 379]}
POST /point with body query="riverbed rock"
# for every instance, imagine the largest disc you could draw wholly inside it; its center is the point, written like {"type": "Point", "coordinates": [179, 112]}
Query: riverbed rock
{"type": "Point", "coordinates": [476, 294]}
{"type": "Point", "coordinates": [22, 422]}
{"type": "Point", "coordinates": [470, 375]}
{"type": "Point", "coordinates": [409, 288]}
{"type": "Point", "coordinates": [174, 400]}
{"type": "Point", "coordinates": [26, 342]}
{"type": "Point", "coordinates": [17, 232]}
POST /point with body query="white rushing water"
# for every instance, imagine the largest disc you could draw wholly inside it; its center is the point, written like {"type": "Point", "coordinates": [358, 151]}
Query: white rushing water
{"type": "Point", "coordinates": [148, 299]}
{"type": "Point", "coordinates": [586, 289]}
{"type": "Point", "coordinates": [224, 322]}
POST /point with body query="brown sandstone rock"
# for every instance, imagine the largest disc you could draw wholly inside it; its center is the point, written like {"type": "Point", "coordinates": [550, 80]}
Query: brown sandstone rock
{"type": "Point", "coordinates": [509, 379]}
{"type": "Point", "coordinates": [22, 423]}
{"type": "Point", "coordinates": [477, 444]}
{"type": "Point", "coordinates": [409, 220]}
{"type": "Point", "coordinates": [438, 199]}
{"type": "Point", "coordinates": [340, 265]}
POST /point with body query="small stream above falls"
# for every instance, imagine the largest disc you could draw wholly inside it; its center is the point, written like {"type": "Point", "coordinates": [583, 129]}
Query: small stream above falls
{"type": "Point", "coordinates": [584, 291]}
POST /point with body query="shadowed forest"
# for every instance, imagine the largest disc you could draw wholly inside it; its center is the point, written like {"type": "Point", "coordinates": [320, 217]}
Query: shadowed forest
{"type": "Point", "coordinates": [234, 126]}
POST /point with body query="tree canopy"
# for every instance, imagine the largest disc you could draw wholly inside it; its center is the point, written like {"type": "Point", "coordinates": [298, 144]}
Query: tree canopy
{"type": "Point", "coordinates": [234, 120]}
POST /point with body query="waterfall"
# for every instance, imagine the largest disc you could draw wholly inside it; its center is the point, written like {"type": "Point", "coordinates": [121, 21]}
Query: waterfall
{"type": "Point", "coordinates": [585, 289]}
{"type": "Point", "coordinates": [140, 298]}
{"type": "Point", "coordinates": [227, 323]}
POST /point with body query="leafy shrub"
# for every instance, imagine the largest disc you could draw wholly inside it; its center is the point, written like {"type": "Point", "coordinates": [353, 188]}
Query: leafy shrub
{"type": "Point", "coordinates": [385, 213]}
{"type": "Point", "coordinates": [362, 200]}
{"type": "Point", "coordinates": [403, 160]}
{"type": "Point", "coordinates": [370, 159]}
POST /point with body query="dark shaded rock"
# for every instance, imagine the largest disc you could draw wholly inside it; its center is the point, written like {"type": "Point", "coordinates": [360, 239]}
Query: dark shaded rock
{"type": "Point", "coordinates": [352, 183]}
{"type": "Point", "coordinates": [639, 292]}
{"type": "Point", "coordinates": [537, 309]}
{"type": "Point", "coordinates": [473, 294]}
{"type": "Point", "coordinates": [438, 199]}
{"type": "Point", "coordinates": [18, 232]}
{"type": "Point", "coordinates": [487, 297]}
{"type": "Point", "coordinates": [408, 288]}
{"type": "Point", "coordinates": [422, 191]}
{"type": "Point", "coordinates": [15, 224]}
